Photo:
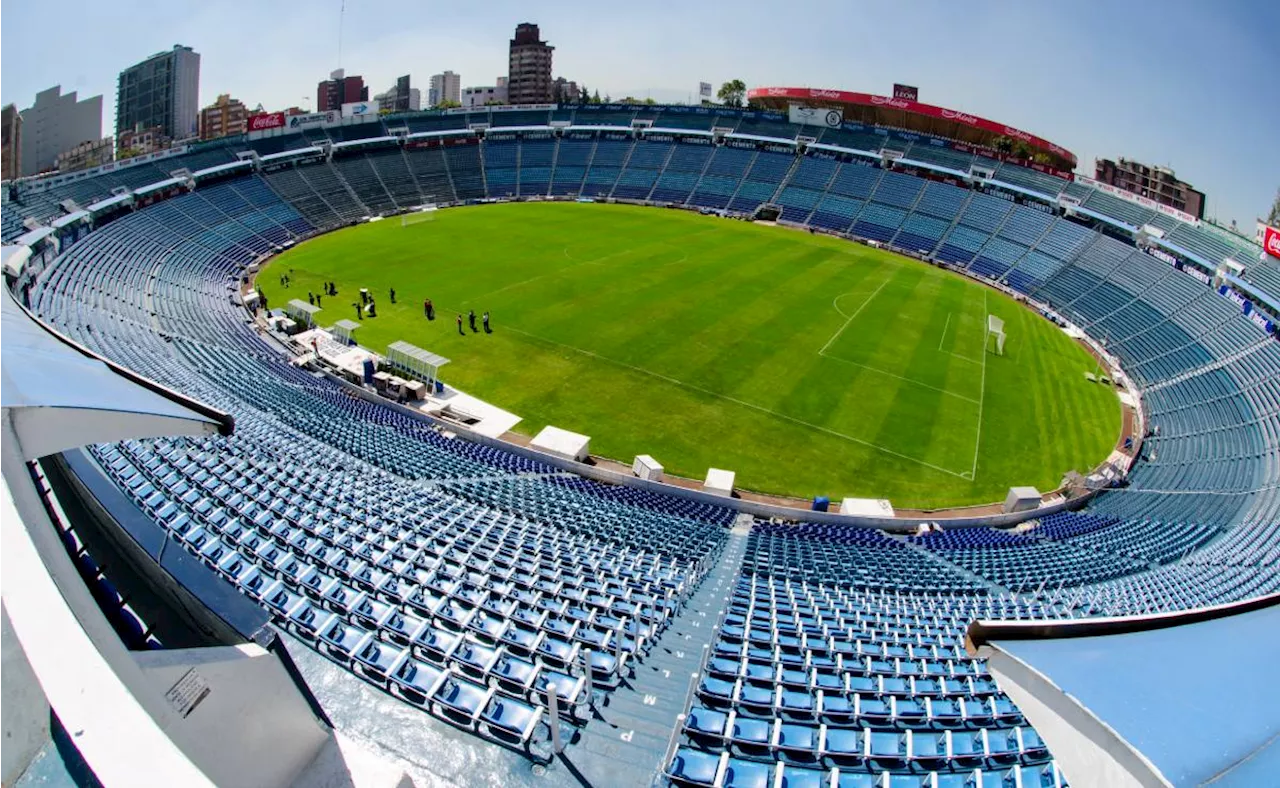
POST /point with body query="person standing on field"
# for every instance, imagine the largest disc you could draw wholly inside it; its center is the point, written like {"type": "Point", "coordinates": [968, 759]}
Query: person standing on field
{"type": "Point", "coordinates": [460, 331]}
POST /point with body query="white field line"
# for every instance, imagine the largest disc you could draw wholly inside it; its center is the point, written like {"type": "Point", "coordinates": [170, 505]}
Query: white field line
{"type": "Point", "coordinates": [943, 338]}
{"type": "Point", "coordinates": [982, 392]}
{"type": "Point", "coordinates": [912, 381]}
{"type": "Point", "coordinates": [743, 403]}
{"type": "Point", "coordinates": [856, 312]}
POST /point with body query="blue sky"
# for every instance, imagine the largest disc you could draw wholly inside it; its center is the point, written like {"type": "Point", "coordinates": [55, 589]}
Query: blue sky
{"type": "Point", "coordinates": [1186, 84]}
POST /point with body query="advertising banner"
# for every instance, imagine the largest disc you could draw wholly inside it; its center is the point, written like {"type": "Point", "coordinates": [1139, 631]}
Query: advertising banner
{"type": "Point", "coordinates": [355, 109]}
{"type": "Point", "coordinates": [704, 91]}
{"type": "Point", "coordinates": [313, 119]}
{"type": "Point", "coordinates": [908, 92]}
{"type": "Point", "coordinates": [1271, 241]}
{"type": "Point", "coordinates": [268, 120]}
{"type": "Point", "coordinates": [869, 100]}
{"type": "Point", "coordinates": [813, 116]}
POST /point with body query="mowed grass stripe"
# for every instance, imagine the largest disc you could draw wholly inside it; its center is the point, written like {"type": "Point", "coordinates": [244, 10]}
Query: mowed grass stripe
{"type": "Point", "coordinates": [731, 376]}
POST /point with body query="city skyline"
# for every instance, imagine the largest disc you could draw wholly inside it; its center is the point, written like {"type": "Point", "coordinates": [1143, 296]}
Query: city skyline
{"type": "Point", "coordinates": [1096, 92]}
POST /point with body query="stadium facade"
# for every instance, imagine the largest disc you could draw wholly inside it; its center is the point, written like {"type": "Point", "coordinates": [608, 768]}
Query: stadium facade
{"type": "Point", "coordinates": [320, 562]}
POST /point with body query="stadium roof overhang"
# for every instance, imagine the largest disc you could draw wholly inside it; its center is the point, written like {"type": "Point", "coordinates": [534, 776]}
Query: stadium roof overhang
{"type": "Point", "coordinates": [69, 219]}
{"type": "Point", "coordinates": [110, 202]}
{"type": "Point", "coordinates": [219, 169]}
{"type": "Point", "coordinates": [33, 237]}
{"type": "Point", "coordinates": [57, 395]}
{"type": "Point", "coordinates": [913, 116]}
{"type": "Point", "coordinates": [1149, 700]}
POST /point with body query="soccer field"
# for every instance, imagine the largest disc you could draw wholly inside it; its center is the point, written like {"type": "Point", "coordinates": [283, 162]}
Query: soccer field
{"type": "Point", "coordinates": [808, 365]}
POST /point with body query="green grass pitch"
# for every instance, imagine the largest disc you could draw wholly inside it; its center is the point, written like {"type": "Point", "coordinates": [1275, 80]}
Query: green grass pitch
{"type": "Point", "coordinates": [808, 365]}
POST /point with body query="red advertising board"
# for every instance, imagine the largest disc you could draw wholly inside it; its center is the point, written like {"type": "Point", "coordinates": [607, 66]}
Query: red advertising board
{"type": "Point", "coordinates": [1271, 241]}
{"type": "Point", "coordinates": [269, 120]}
{"type": "Point", "coordinates": [907, 105]}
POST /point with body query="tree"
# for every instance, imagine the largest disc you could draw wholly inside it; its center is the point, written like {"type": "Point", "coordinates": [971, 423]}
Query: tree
{"type": "Point", "coordinates": [1273, 218]}
{"type": "Point", "coordinates": [649, 102]}
{"type": "Point", "coordinates": [595, 97]}
{"type": "Point", "coordinates": [583, 96]}
{"type": "Point", "coordinates": [732, 93]}
{"type": "Point", "coordinates": [447, 104]}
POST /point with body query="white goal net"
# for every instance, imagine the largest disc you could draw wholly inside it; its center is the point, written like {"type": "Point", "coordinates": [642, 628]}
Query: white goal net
{"type": "Point", "coordinates": [426, 213]}
{"type": "Point", "coordinates": [995, 329]}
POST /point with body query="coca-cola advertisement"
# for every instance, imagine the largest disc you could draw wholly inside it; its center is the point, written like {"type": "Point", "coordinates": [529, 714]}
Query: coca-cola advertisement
{"type": "Point", "coordinates": [1271, 241]}
{"type": "Point", "coordinates": [267, 120]}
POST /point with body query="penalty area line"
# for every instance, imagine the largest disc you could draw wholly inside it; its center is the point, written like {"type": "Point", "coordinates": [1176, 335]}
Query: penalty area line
{"type": "Point", "coordinates": [960, 475]}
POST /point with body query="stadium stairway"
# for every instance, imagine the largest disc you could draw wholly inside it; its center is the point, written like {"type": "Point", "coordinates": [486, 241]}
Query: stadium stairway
{"type": "Point", "coordinates": [628, 741]}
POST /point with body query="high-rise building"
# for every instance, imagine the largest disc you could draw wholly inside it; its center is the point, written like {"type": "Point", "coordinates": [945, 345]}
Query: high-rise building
{"type": "Point", "coordinates": [56, 123]}
{"type": "Point", "coordinates": [446, 86]}
{"type": "Point", "coordinates": [163, 91]}
{"type": "Point", "coordinates": [529, 67]}
{"type": "Point", "coordinates": [339, 89]}
{"type": "Point", "coordinates": [10, 143]}
{"type": "Point", "coordinates": [1153, 182]}
{"type": "Point", "coordinates": [224, 117]}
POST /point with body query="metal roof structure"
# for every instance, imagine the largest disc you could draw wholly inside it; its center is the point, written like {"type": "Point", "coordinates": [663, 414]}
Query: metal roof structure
{"type": "Point", "coordinates": [1140, 700]}
{"type": "Point", "coordinates": [58, 395]}
{"type": "Point", "coordinates": [417, 354]}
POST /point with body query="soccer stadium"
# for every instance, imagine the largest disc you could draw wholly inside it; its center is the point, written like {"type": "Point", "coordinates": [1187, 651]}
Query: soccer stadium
{"type": "Point", "coordinates": [814, 443]}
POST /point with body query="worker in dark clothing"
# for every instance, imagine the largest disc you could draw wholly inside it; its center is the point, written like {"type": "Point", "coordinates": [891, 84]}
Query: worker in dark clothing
{"type": "Point", "coordinates": [393, 295]}
{"type": "Point", "coordinates": [485, 320]}
{"type": "Point", "coordinates": [460, 331]}
{"type": "Point", "coordinates": [359, 311]}
{"type": "Point", "coordinates": [317, 300]}
{"type": "Point", "coordinates": [311, 299]}
{"type": "Point", "coordinates": [471, 319]}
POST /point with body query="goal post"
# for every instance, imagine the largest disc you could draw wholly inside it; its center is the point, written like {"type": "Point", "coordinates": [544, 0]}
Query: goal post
{"type": "Point", "coordinates": [995, 329]}
{"type": "Point", "coordinates": [425, 213]}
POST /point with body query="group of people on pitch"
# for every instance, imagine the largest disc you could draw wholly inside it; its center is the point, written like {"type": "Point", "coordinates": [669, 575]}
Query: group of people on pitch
{"type": "Point", "coordinates": [429, 311]}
